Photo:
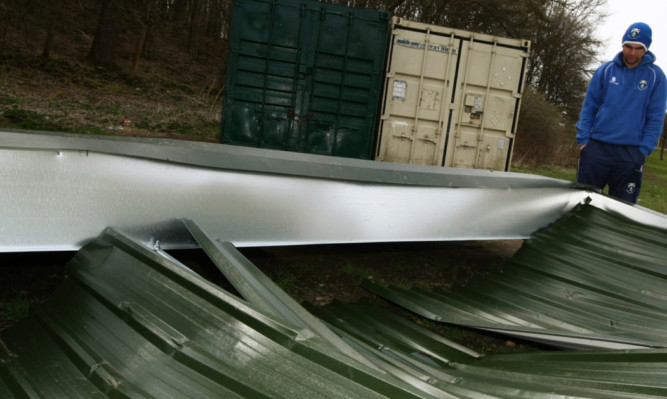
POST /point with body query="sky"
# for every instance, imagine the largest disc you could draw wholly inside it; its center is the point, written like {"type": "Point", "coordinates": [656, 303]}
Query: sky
{"type": "Point", "coordinates": [622, 13]}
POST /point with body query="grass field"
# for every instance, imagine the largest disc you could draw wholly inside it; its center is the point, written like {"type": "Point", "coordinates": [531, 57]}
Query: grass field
{"type": "Point", "coordinates": [653, 194]}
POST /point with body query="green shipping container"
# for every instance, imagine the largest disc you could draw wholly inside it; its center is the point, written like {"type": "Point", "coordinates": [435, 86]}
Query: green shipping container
{"type": "Point", "coordinates": [304, 76]}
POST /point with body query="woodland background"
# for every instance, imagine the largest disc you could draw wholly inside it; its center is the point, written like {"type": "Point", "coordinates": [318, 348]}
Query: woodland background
{"type": "Point", "coordinates": [157, 67]}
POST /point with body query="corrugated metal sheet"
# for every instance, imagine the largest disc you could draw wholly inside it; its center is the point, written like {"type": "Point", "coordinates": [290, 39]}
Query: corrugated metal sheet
{"type": "Point", "coordinates": [593, 279]}
{"type": "Point", "coordinates": [60, 191]}
{"type": "Point", "coordinates": [464, 374]}
{"type": "Point", "coordinates": [131, 321]}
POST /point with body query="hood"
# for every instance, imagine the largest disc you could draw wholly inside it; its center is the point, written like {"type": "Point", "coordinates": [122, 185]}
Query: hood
{"type": "Point", "coordinates": [649, 58]}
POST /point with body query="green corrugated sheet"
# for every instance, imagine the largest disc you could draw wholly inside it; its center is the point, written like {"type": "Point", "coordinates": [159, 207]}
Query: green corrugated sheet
{"type": "Point", "coordinates": [638, 373]}
{"type": "Point", "coordinates": [593, 277]}
{"type": "Point", "coordinates": [131, 321]}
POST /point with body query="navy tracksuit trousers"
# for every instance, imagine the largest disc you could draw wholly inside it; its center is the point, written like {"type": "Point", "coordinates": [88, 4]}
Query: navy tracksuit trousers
{"type": "Point", "coordinates": [618, 166]}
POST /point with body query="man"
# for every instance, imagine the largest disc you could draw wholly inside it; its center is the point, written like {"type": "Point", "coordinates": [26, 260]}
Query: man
{"type": "Point", "coordinates": [622, 117]}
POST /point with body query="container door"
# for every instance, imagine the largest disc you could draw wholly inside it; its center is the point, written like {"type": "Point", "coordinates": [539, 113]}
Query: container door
{"type": "Point", "coordinates": [346, 81]}
{"type": "Point", "coordinates": [304, 76]}
{"type": "Point", "coordinates": [418, 93]}
{"type": "Point", "coordinates": [263, 70]}
{"type": "Point", "coordinates": [487, 102]}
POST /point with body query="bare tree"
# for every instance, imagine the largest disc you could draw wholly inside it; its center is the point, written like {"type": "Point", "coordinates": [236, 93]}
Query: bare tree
{"type": "Point", "coordinates": [196, 25]}
{"type": "Point", "coordinates": [564, 49]}
{"type": "Point", "coordinates": [55, 9]}
{"type": "Point", "coordinates": [144, 13]}
{"type": "Point", "coordinates": [103, 50]}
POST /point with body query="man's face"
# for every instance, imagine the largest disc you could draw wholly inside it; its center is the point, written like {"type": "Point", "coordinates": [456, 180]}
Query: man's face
{"type": "Point", "coordinates": [633, 54]}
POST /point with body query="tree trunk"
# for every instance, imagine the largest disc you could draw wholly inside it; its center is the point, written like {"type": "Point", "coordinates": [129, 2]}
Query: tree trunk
{"type": "Point", "coordinates": [139, 48]}
{"type": "Point", "coordinates": [179, 16]}
{"type": "Point", "coordinates": [56, 16]}
{"type": "Point", "coordinates": [102, 52]}
{"type": "Point", "coordinates": [195, 28]}
{"type": "Point", "coordinates": [144, 14]}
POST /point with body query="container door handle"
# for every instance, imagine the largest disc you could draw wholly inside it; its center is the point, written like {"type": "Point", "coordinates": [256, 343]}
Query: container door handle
{"type": "Point", "coordinates": [429, 140]}
{"type": "Point", "coordinates": [403, 136]}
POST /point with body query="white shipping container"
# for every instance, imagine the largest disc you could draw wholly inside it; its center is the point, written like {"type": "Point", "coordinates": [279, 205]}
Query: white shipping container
{"type": "Point", "coordinates": [451, 97]}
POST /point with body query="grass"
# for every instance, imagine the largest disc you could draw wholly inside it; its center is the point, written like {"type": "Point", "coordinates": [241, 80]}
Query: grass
{"type": "Point", "coordinates": [75, 98]}
{"type": "Point", "coordinates": [653, 194]}
{"type": "Point", "coordinates": [286, 279]}
{"type": "Point", "coordinates": [654, 186]}
{"type": "Point", "coordinates": [358, 272]}
{"type": "Point", "coordinates": [14, 309]}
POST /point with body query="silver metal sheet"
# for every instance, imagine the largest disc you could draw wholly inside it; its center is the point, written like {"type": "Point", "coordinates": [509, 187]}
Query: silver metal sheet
{"type": "Point", "coordinates": [60, 191]}
{"type": "Point", "coordinates": [255, 160]}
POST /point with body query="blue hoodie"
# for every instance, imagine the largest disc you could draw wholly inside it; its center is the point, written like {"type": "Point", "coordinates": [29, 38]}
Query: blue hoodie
{"type": "Point", "coordinates": [625, 106]}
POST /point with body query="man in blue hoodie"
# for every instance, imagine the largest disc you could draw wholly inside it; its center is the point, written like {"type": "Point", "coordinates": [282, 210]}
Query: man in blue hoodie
{"type": "Point", "coordinates": [622, 117]}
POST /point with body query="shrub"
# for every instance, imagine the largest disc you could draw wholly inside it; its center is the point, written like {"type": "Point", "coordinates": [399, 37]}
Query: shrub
{"type": "Point", "coordinates": [544, 135]}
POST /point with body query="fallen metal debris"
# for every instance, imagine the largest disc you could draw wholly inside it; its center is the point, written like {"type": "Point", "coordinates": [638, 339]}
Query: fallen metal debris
{"type": "Point", "coordinates": [592, 280]}
{"type": "Point", "coordinates": [131, 321]}
{"type": "Point", "coordinates": [60, 191]}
